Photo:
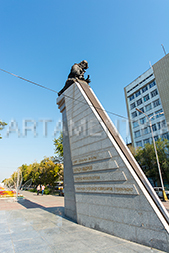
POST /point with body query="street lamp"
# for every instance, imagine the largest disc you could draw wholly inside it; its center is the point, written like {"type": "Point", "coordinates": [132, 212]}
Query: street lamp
{"type": "Point", "coordinates": [158, 164]}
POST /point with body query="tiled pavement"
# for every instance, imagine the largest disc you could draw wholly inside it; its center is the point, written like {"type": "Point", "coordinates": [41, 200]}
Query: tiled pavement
{"type": "Point", "coordinates": [37, 224]}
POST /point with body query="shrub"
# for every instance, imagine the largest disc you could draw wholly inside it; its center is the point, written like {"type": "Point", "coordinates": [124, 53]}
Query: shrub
{"type": "Point", "coordinates": [32, 190]}
{"type": "Point", "coordinates": [47, 191]}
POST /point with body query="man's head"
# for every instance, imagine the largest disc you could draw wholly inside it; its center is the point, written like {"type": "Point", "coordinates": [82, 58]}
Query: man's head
{"type": "Point", "coordinates": [84, 64]}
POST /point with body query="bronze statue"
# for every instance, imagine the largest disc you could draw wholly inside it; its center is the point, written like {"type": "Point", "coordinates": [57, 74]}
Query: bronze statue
{"type": "Point", "coordinates": [76, 74]}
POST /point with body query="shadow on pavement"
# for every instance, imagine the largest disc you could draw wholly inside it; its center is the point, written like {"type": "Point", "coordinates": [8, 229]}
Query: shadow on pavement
{"type": "Point", "coordinates": [29, 204]}
{"type": "Point", "coordinates": [58, 210]}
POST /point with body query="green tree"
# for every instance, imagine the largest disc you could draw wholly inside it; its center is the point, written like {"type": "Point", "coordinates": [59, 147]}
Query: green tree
{"type": "Point", "coordinates": [24, 170]}
{"type": "Point", "coordinates": [2, 124]}
{"type": "Point", "coordinates": [48, 171]}
{"type": "Point", "coordinates": [58, 143]}
{"type": "Point", "coordinates": [8, 182]}
{"type": "Point", "coordinates": [59, 146]}
{"type": "Point", "coordinates": [45, 172]}
{"type": "Point", "coordinates": [147, 160]}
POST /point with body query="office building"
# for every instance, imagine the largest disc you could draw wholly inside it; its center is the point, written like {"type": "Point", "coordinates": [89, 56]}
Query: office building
{"type": "Point", "coordinates": [150, 94]}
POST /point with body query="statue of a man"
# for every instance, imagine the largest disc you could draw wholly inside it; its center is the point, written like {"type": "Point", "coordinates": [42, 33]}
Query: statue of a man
{"type": "Point", "coordinates": [76, 74]}
{"type": "Point", "coordinates": [78, 70]}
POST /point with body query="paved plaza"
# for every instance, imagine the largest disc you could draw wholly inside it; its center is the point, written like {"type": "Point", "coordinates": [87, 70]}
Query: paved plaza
{"type": "Point", "coordinates": [37, 224]}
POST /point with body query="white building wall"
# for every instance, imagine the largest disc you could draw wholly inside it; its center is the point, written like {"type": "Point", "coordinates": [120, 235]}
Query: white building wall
{"type": "Point", "coordinates": [136, 94]}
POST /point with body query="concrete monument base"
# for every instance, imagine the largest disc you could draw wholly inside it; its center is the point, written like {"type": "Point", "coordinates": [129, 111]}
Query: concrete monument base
{"type": "Point", "coordinates": [105, 188]}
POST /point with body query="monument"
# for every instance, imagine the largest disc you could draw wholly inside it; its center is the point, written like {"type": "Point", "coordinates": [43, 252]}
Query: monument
{"type": "Point", "coordinates": [105, 189]}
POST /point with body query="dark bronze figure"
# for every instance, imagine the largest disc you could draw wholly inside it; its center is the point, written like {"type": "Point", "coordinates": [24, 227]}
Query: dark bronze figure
{"type": "Point", "coordinates": [76, 74]}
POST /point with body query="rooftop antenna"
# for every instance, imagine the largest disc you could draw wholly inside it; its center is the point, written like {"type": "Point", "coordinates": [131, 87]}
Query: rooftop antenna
{"type": "Point", "coordinates": [163, 49]}
{"type": "Point", "coordinates": [150, 65]}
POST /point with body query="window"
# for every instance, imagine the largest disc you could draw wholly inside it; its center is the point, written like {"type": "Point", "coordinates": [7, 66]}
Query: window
{"type": "Point", "coordinates": [163, 123]}
{"type": "Point", "coordinates": [144, 88]}
{"type": "Point", "coordinates": [134, 114]}
{"type": "Point", "coordinates": [150, 116]}
{"type": "Point", "coordinates": [156, 103]}
{"type": "Point", "coordinates": [158, 113]}
{"type": "Point", "coordinates": [141, 109]}
{"type": "Point", "coordinates": [146, 141]}
{"type": "Point", "coordinates": [142, 120]}
{"type": "Point", "coordinates": [154, 127]}
{"type": "Point", "coordinates": [154, 93]}
{"type": "Point", "coordinates": [146, 97]}
{"type": "Point", "coordinates": [145, 130]}
{"type": "Point", "coordinates": [165, 136]}
{"type": "Point", "coordinates": [139, 144]}
{"type": "Point", "coordinates": [131, 97]}
{"type": "Point", "coordinates": [152, 84]}
{"type": "Point", "coordinates": [135, 124]}
{"type": "Point", "coordinates": [138, 93]}
{"type": "Point", "coordinates": [148, 107]}
{"type": "Point", "coordinates": [156, 137]}
{"type": "Point", "coordinates": [132, 88]}
{"type": "Point", "coordinates": [159, 125]}
{"type": "Point", "coordinates": [132, 106]}
{"type": "Point", "coordinates": [140, 83]}
{"type": "Point", "coordinates": [139, 102]}
{"type": "Point", "coordinates": [137, 134]}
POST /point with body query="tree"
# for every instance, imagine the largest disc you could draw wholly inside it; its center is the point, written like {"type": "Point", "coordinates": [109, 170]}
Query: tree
{"type": "Point", "coordinates": [2, 124]}
{"type": "Point", "coordinates": [59, 151]}
{"type": "Point", "coordinates": [45, 172]}
{"type": "Point", "coordinates": [8, 182]}
{"type": "Point", "coordinates": [147, 160]}
{"type": "Point", "coordinates": [59, 146]}
{"type": "Point", "coordinates": [25, 174]}
{"type": "Point", "coordinates": [48, 171]}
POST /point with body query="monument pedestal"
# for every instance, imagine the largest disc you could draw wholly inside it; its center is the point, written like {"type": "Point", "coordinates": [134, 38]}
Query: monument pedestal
{"type": "Point", "coordinates": [105, 188]}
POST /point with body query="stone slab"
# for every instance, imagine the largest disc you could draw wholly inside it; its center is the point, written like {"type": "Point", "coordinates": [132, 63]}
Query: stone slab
{"type": "Point", "coordinates": [101, 177]}
{"type": "Point", "coordinates": [92, 157]}
{"type": "Point", "coordinates": [112, 189]}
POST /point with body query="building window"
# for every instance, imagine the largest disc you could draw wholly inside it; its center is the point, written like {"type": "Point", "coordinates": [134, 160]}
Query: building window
{"type": "Point", "coordinates": [132, 88]}
{"type": "Point", "coordinates": [158, 113]}
{"type": "Point", "coordinates": [134, 114]}
{"type": "Point", "coordinates": [146, 97]}
{"type": "Point", "coordinates": [148, 107]}
{"type": "Point", "coordinates": [139, 144]}
{"type": "Point", "coordinates": [156, 103]}
{"type": "Point", "coordinates": [163, 123]}
{"type": "Point", "coordinates": [154, 127]}
{"type": "Point", "coordinates": [141, 109]}
{"type": "Point", "coordinates": [143, 120]}
{"type": "Point", "coordinates": [146, 141]}
{"type": "Point", "coordinates": [133, 105]}
{"type": "Point", "coordinates": [165, 136]}
{"type": "Point", "coordinates": [156, 137]}
{"type": "Point", "coordinates": [139, 102]}
{"type": "Point", "coordinates": [131, 97]}
{"type": "Point", "coordinates": [144, 88]}
{"type": "Point", "coordinates": [137, 134]}
{"type": "Point", "coordinates": [159, 125]}
{"type": "Point", "coordinates": [145, 130]}
{"type": "Point", "coordinates": [138, 93]}
{"type": "Point", "coordinates": [152, 84]}
{"type": "Point", "coordinates": [135, 124]}
{"type": "Point", "coordinates": [154, 93]}
{"type": "Point", "coordinates": [150, 116]}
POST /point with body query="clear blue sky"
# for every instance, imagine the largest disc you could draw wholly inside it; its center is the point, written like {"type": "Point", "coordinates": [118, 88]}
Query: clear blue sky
{"type": "Point", "coordinates": [40, 40]}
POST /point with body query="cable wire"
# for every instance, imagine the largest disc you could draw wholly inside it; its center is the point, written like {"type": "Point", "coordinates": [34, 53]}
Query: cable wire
{"type": "Point", "coordinates": [44, 87]}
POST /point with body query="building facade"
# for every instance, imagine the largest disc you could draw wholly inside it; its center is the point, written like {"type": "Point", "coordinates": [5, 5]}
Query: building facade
{"type": "Point", "coordinates": [150, 94]}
